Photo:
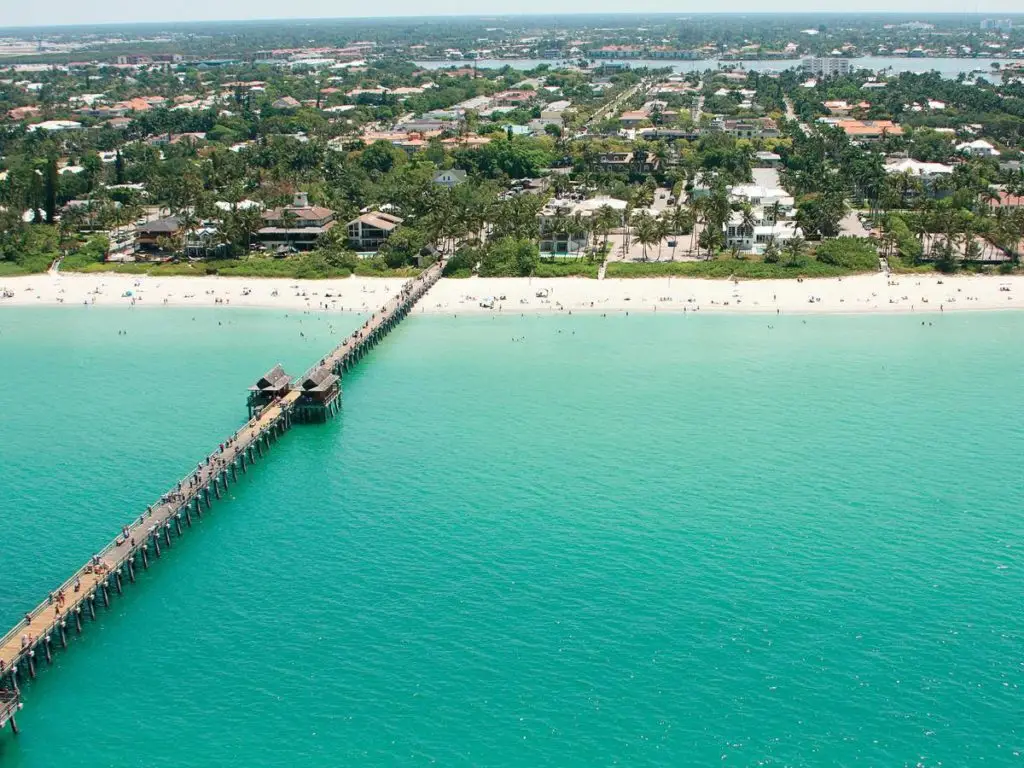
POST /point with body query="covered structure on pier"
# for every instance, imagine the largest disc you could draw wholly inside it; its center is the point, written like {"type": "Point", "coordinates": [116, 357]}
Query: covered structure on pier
{"type": "Point", "coordinates": [273, 384]}
{"type": "Point", "coordinates": [319, 395]}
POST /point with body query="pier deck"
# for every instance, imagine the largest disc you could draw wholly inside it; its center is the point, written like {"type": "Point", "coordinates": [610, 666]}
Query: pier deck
{"type": "Point", "coordinates": [66, 606]}
{"type": "Point", "coordinates": [47, 617]}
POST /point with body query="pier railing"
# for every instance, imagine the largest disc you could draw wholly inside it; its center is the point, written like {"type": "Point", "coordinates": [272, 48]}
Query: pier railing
{"type": "Point", "coordinates": [408, 295]}
{"type": "Point", "coordinates": [18, 647]}
{"type": "Point", "coordinates": [114, 555]}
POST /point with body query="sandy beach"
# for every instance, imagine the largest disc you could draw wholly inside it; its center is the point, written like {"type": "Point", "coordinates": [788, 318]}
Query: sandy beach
{"type": "Point", "coordinates": [857, 294]}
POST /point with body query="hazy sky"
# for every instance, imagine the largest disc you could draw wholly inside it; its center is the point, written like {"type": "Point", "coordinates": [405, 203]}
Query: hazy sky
{"type": "Point", "coordinates": [20, 13]}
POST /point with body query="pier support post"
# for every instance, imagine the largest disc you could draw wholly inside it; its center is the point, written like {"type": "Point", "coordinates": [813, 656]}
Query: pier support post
{"type": "Point", "coordinates": [177, 524]}
{"type": "Point", "coordinates": [46, 648]}
{"type": "Point", "coordinates": [234, 473]}
{"type": "Point", "coordinates": [92, 606]}
{"type": "Point", "coordinates": [131, 570]}
{"type": "Point", "coordinates": [259, 447]}
{"type": "Point", "coordinates": [188, 516]}
{"type": "Point", "coordinates": [117, 580]}
{"type": "Point", "coordinates": [206, 496]}
{"type": "Point", "coordinates": [106, 595]}
{"type": "Point", "coordinates": [32, 664]}
{"type": "Point", "coordinates": [244, 470]}
{"type": "Point", "coordinates": [14, 726]}
{"type": "Point", "coordinates": [14, 678]}
{"type": "Point", "coordinates": [145, 557]}
{"type": "Point", "coordinates": [63, 634]}
{"type": "Point", "coordinates": [167, 535]}
{"type": "Point", "coordinates": [78, 619]}
{"type": "Point", "coordinates": [156, 543]}
{"type": "Point", "coordinates": [216, 488]}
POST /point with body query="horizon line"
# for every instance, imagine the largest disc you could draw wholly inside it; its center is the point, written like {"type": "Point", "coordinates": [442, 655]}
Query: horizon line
{"type": "Point", "coordinates": [483, 17]}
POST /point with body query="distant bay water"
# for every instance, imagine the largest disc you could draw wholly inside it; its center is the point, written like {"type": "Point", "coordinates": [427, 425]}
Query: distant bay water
{"type": "Point", "coordinates": [647, 540]}
{"type": "Point", "coordinates": [947, 67]}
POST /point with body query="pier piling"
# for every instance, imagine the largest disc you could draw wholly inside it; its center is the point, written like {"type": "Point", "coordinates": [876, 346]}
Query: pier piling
{"type": "Point", "coordinates": [274, 404]}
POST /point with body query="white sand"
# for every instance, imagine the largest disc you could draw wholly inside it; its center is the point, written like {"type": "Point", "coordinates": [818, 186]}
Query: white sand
{"type": "Point", "coordinates": [862, 293]}
{"type": "Point", "coordinates": [352, 294]}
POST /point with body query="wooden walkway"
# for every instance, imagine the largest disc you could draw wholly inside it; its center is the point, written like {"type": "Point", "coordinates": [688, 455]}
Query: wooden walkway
{"type": "Point", "coordinates": [148, 535]}
{"type": "Point", "coordinates": [364, 338]}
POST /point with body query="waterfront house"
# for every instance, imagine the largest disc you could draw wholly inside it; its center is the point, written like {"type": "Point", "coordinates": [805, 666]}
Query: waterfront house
{"type": "Point", "coordinates": [296, 226]}
{"type": "Point", "coordinates": [149, 236]}
{"type": "Point", "coordinates": [369, 231]}
{"type": "Point", "coordinates": [765, 230]}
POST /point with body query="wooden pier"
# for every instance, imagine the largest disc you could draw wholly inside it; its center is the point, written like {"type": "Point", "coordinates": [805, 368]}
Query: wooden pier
{"type": "Point", "coordinates": [275, 403]}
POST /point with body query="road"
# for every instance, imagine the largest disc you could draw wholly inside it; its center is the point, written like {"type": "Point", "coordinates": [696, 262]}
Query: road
{"type": "Point", "coordinates": [791, 115]}
{"type": "Point", "coordinates": [612, 106]}
{"type": "Point", "coordinates": [698, 106]}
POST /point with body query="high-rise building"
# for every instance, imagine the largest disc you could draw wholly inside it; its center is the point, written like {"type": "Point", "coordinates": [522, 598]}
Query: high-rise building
{"type": "Point", "coordinates": [827, 66]}
{"type": "Point", "coordinates": [1000, 25]}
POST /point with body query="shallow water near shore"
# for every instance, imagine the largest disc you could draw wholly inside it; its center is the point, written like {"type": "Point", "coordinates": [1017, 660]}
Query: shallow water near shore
{"type": "Point", "coordinates": [644, 540]}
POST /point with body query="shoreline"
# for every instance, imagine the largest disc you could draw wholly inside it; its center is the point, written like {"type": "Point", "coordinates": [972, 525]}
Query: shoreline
{"type": "Point", "coordinates": [857, 294]}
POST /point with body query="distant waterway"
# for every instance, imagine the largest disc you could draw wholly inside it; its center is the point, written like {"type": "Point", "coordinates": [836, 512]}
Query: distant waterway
{"type": "Point", "coordinates": [653, 540]}
{"type": "Point", "coordinates": [947, 67]}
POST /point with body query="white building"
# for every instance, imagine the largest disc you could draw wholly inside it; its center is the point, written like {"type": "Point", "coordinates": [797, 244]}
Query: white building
{"type": "Point", "coordinates": [827, 66]}
{"type": "Point", "coordinates": [55, 125]}
{"type": "Point", "coordinates": [758, 195]}
{"type": "Point", "coordinates": [756, 239]}
{"type": "Point", "coordinates": [554, 240]}
{"type": "Point", "coordinates": [917, 168]}
{"type": "Point", "coordinates": [1000, 25]}
{"type": "Point", "coordinates": [449, 178]}
{"type": "Point", "coordinates": [978, 148]}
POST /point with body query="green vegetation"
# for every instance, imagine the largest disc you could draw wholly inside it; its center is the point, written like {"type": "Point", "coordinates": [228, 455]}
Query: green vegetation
{"type": "Point", "coordinates": [24, 250]}
{"type": "Point", "coordinates": [724, 267]}
{"type": "Point", "coordinates": [566, 269]}
{"type": "Point", "coordinates": [851, 253]}
{"type": "Point", "coordinates": [305, 267]}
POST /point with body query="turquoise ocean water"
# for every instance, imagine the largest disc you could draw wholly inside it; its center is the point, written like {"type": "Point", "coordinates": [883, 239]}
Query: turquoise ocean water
{"type": "Point", "coordinates": [645, 540]}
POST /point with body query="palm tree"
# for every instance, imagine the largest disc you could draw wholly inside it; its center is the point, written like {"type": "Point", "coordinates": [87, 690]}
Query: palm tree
{"type": "Point", "coordinates": [576, 230]}
{"type": "Point", "coordinates": [663, 228]}
{"type": "Point", "coordinates": [558, 226]}
{"type": "Point", "coordinates": [605, 220]}
{"type": "Point", "coordinates": [682, 222]}
{"type": "Point", "coordinates": [748, 220]}
{"type": "Point", "coordinates": [774, 211]}
{"type": "Point", "coordinates": [795, 248]}
{"type": "Point", "coordinates": [646, 231]}
{"type": "Point", "coordinates": [699, 209]}
{"type": "Point", "coordinates": [289, 217]}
